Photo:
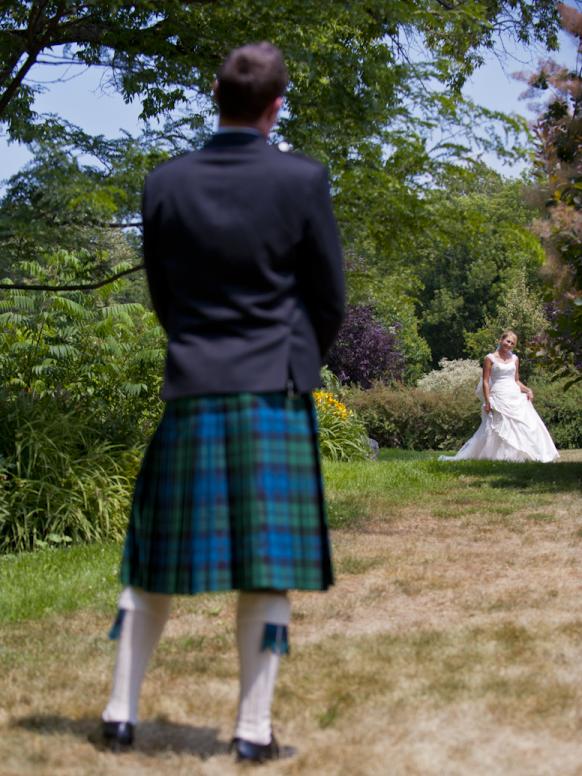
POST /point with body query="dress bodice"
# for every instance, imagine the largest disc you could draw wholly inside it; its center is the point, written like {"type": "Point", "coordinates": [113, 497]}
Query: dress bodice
{"type": "Point", "coordinates": [502, 374]}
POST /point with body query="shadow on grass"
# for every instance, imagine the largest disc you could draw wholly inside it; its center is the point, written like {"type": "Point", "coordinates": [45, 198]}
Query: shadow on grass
{"type": "Point", "coordinates": [537, 477]}
{"type": "Point", "coordinates": [151, 737]}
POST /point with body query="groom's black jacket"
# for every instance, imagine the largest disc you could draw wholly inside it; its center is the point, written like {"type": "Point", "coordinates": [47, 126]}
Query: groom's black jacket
{"type": "Point", "coordinates": [244, 267]}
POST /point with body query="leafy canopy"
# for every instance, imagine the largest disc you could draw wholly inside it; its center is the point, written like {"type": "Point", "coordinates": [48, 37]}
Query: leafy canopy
{"type": "Point", "coordinates": [349, 62]}
{"type": "Point", "coordinates": [558, 193]}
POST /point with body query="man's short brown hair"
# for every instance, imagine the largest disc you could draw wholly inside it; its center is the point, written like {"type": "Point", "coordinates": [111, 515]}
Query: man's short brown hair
{"type": "Point", "coordinates": [250, 78]}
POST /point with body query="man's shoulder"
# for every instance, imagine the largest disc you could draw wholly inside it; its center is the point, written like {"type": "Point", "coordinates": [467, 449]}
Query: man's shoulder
{"type": "Point", "coordinates": [287, 153]}
{"type": "Point", "coordinates": [294, 162]}
{"type": "Point", "coordinates": [170, 166]}
{"type": "Point", "coordinates": [279, 158]}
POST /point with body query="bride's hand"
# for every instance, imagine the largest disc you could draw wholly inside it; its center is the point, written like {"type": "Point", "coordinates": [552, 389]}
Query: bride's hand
{"type": "Point", "coordinates": [487, 407]}
{"type": "Point", "coordinates": [529, 394]}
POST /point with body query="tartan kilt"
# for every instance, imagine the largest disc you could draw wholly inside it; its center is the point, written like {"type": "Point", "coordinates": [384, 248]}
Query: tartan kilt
{"type": "Point", "coordinates": [230, 497]}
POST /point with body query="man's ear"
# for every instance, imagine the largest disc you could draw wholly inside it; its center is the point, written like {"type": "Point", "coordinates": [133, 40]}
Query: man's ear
{"type": "Point", "coordinates": [274, 109]}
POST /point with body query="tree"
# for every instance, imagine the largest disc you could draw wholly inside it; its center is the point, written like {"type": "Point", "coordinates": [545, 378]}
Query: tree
{"type": "Point", "coordinates": [89, 207]}
{"type": "Point", "coordinates": [470, 257]}
{"type": "Point", "coordinates": [520, 309]}
{"type": "Point", "coordinates": [347, 61]}
{"type": "Point", "coordinates": [362, 95]}
{"type": "Point", "coordinates": [558, 161]}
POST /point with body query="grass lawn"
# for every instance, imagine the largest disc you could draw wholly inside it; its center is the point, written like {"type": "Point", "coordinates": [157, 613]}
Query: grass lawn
{"type": "Point", "coordinates": [451, 643]}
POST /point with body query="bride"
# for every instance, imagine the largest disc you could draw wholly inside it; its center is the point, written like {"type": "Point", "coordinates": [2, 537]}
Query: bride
{"type": "Point", "coordinates": [511, 429]}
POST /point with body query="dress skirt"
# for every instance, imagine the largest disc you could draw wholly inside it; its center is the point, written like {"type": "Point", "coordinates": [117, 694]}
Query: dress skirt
{"type": "Point", "coordinates": [230, 497]}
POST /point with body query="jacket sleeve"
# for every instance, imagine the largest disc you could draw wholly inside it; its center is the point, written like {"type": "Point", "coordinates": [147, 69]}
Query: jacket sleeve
{"type": "Point", "coordinates": [154, 271]}
{"type": "Point", "coordinates": [321, 274]}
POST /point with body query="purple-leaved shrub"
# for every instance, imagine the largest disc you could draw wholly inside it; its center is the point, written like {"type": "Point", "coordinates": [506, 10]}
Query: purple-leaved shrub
{"type": "Point", "coordinates": [366, 350]}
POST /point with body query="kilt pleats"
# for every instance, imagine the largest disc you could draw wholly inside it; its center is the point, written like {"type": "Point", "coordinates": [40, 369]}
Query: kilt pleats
{"type": "Point", "coordinates": [230, 496]}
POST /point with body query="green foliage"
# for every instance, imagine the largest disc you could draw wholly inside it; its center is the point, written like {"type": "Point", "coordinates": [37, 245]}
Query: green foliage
{"type": "Point", "coordinates": [91, 209]}
{"type": "Point", "coordinates": [393, 298]}
{"type": "Point", "coordinates": [354, 102]}
{"type": "Point", "coordinates": [412, 418]}
{"type": "Point", "coordinates": [80, 376]}
{"type": "Point", "coordinates": [561, 411]}
{"type": "Point", "coordinates": [82, 348]}
{"type": "Point", "coordinates": [521, 310]}
{"type": "Point", "coordinates": [415, 419]}
{"type": "Point", "coordinates": [347, 61]}
{"type": "Point", "coordinates": [60, 479]}
{"type": "Point", "coordinates": [480, 249]}
{"type": "Point", "coordinates": [342, 436]}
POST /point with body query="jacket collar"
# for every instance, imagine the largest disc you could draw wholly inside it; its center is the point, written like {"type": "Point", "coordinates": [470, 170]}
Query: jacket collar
{"type": "Point", "coordinates": [223, 139]}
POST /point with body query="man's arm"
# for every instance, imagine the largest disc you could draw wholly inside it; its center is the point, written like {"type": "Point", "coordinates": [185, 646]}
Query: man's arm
{"type": "Point", "coordinates": [321, 275]}
{"type": "Point", "coordinates": [154, 272]}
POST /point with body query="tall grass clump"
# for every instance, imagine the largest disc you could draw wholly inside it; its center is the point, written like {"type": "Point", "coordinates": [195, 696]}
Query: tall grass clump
{"type": "Point", "coordinates": [79, 377]}
{"type": "Point", "coordinates": [61, 481]}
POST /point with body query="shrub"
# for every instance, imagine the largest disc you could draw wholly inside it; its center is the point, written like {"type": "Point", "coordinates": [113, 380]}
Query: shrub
{"type": "Point", "coordinates": [366, 350]}
{"type": "Point", "coordinates": [561, 411]}
{"type": "Point", "coordinates": [80, 375]}
{"type": "Point", "coordinates": [60, 479]}
{"type": "Point", "coordinates": [83, 348]}
{"type": "Point", "coordinates": [416, 419]}
{"type": "Point", "coordinates": [456, 375]}
{"type": "Point", "coordinates": [342, 436]}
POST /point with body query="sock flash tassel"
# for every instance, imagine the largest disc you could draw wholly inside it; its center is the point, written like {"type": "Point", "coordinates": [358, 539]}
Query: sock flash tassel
{"type": "Point", "coordinates": [275, 639]}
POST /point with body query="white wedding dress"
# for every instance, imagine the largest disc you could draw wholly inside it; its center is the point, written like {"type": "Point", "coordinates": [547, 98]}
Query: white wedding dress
{"type": "Point", "coordinates": [513, 430]}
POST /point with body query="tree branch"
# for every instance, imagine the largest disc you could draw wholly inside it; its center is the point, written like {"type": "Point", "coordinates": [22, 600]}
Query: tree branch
{"type": "Point", "coordinates": [449, 6]}
{"type": "Point", "coordinates": [12, 88]}
{"type": "Point", "coordinates": [35, 18]}
{"type": "Point", "coordinates": [72, 287]}
{"type": "Point", "coordinates": [36, 40]}
{"type": "Point", "coordinates": [11, 63]}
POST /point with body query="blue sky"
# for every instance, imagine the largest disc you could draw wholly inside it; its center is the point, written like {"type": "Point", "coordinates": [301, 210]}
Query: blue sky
{"type": "Point", "coordinates": [84, 102]}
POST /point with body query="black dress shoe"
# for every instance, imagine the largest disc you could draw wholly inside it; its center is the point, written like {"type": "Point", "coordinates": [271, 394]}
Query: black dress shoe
{"type": "Point", "coordinates": [247, 751]}
{"type": "Point", "coordinates": [118, 735]}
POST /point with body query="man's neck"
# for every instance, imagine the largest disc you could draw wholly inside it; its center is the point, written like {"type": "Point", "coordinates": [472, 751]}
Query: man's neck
{"type": "Point", "coordinates": [231, 125]}
{"type": "Point", "coordinates": [245, 129]}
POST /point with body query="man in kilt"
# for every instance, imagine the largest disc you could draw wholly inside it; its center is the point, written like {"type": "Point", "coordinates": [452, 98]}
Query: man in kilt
{"type": "Point", "coordinates": [245, 273]}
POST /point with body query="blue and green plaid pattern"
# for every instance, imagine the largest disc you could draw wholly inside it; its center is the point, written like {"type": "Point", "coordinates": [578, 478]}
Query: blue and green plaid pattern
{"type": "Point", "coordinates": [230, 497]}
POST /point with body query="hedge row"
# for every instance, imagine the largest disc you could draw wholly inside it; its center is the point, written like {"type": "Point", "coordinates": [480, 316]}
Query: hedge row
{"type": "Point", "coordinates": [411, 418]}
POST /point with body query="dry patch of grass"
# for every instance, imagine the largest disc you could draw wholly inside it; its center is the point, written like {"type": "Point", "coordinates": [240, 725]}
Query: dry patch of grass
{"type": "Point", "coordinates": [451, 644]}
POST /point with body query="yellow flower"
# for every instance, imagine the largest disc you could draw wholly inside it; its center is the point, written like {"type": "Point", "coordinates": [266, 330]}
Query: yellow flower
{"type": "Point", "coordinates": [324, 399]}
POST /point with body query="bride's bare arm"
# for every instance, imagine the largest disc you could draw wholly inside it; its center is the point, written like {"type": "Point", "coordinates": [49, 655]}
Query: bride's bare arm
{"type": "Point", "coordinates": [487, 364]}
{"type": "Point", "coordinates": [523, 388]}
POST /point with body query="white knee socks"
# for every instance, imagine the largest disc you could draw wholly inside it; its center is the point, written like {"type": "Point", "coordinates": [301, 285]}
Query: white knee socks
{"type": "Point", "coordinates": [258, 665]}
{"type": "Point", "coordinates": [143, 622]}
